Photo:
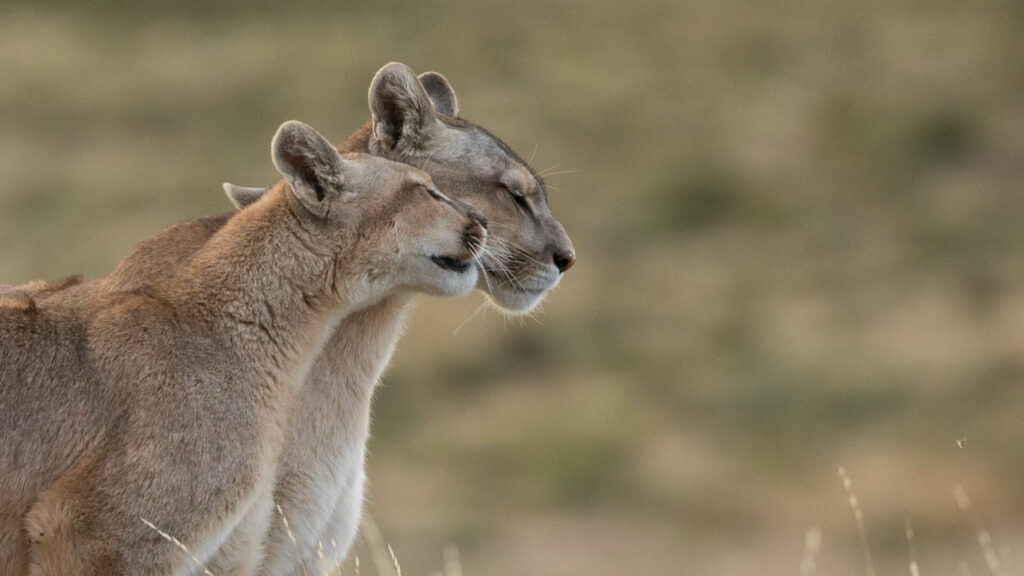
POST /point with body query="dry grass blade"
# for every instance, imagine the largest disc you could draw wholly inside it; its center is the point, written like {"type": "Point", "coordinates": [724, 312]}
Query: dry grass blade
{"type": "Point", "coordinates": [291, 537]}
{"type": "Point", "coordinates": [452, 562]}
{"type": "Point", "coordinates": [179, 544]}
{"type": "Point", "coordinates": [992, 559]}
{"type": "Point", "coordinates": [812, 544]}
{"type": "Point", "coordinates": [379, 551]}
{"type": "Point", "coordinates": [394, 561]}
{"type": "Point", "coordinates": [858, 515]}
{"type": "Point", "coordinates": [914, 571]}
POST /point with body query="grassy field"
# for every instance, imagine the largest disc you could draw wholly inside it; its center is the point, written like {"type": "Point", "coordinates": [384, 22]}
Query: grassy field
{"type": "Point", "coordinates": [800, 230]}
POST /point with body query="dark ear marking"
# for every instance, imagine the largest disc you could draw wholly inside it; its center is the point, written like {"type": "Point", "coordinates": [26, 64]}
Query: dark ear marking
{"type": "Point", "coordinates": [441, 93]}
{"type": "Point", "coordinates": [311, 178]}
{"type": "Point", "coordinates": [393, 130]}
{"type": "Point", "coordinates": [318, 187]}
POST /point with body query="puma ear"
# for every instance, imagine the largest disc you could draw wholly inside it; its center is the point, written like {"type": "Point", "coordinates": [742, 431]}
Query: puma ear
{"type": "Point", "coordinates": [400, 108]}
{"type": "Point", "coordinates": [441, 93]}
{"type": "Point", "coordinates": [241, 196]}
{"type": "Point", "coordinates": [310, 164]}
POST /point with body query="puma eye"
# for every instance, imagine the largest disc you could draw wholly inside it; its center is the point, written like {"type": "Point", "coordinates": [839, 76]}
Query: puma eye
{"type": "Point", "coordinates": [518, 196]}
{"type": "Point", "coordinates": [513, 190]}
{"type": "Point", "coordinates": [433, 193]}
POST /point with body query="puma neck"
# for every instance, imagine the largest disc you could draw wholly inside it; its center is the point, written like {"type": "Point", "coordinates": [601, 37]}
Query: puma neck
{"type": "Point", "coordinates": [260, 280]}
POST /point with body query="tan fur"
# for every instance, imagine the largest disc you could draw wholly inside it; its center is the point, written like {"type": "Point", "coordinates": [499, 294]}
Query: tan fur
{"type": "Point", "coordinates": [170, 402]}
{"type": "Point", "coordinates": [321, 477]}
{"type": "Point", "coordinates": [25, 296]}
{"type": "Point", "coordinates": [53, 519]}
{"type": "Point", "coordinates": [325, 442]}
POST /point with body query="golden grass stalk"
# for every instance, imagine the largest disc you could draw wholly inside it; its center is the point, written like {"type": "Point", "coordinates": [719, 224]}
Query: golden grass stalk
{"type": "Point", "coordinates": [179, 544]}
{"type": "Point", "coordinates": [992, 559]}
{"type": "Point", "coordinates": [452, 562]}
{"type": "Point", "coordinates": [914, 571]}
{"type": "Point", "coordinates": [380, 552]}
{"type": "Point", "coordinates": [858, 515]}
{"type": "Point", "coordinates": [291, 537]}
{"type": "Point", "coordinates": [812, 544]}
{"type": "Point", "coordinates": [394, 561]}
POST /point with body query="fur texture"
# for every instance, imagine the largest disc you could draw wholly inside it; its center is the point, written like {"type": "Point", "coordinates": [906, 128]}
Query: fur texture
{"type": "Point", "coordinates": [321, 478]}
{"type": "Point", "coordinates": [321, 474]}
{"type": "Point", "coordinates": [170, 402]}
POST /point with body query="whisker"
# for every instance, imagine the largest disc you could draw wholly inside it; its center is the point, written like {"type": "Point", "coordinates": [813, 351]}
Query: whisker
{"type": "Point", "coordinates": [498, 266]}
{"type": "Point", "coordinates": [431, 156]}
{"type": "Point", "coordinates": [546, 174]}
{"type": "Point", "coordinates": [506, 272]}
{"type": "Point", "coordinates": [479, 309]}
{"type": "Point", "coordinates": [506, 276]}
{"type": "Point", "coordinates": [483, 264]}
{"type": "Point", "coordinates": [536, 313]}
{"type": "Point", "coordinates": [548, 169]}
{"type": "Point", "coordinates": [524, 254]}
{"type": "Point", "coordinates": [514, 248]}
{"type": "Point", "coordinates": [423, 163]}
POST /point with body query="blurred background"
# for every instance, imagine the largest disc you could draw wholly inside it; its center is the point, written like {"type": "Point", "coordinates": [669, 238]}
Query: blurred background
{"type": "Point", "coordinates": [800, 239]}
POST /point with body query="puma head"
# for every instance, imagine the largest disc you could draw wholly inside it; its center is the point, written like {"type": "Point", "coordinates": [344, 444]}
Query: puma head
{"type": "Point", "coordinates": [416, 121]}
{"type": "Point", "coordinates": [407, 234]}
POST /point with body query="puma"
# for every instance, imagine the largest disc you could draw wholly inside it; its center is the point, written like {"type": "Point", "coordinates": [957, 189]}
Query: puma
{"type": "Point", "coordinates": [321, 476]}
{"type": "Point", "coordinates": [170, 402]}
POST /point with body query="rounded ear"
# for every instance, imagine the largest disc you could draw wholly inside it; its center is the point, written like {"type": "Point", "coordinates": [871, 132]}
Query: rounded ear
{"type": "Point", "coordinates": [309, 163]}
{"type": "Point", "coordinates": [241, 196]}
{"type": "Point", "coordinates": [400, 108]}
{"type": "Point", "coordinates": [441, 93]}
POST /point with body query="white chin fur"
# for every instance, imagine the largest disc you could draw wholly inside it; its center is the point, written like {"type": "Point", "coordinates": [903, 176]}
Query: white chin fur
{"type": "Point", "coordinates": [509, 299]}
{"type": "Point", "coordinates": [457, 283]}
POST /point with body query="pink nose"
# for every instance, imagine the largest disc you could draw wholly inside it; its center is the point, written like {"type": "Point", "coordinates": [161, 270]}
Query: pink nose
{"type": "Point", "coordinates": [564, 260]}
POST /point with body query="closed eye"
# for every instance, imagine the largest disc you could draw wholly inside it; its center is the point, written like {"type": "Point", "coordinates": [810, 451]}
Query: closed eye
{"type": "Point", "coordinates": [518, 196]}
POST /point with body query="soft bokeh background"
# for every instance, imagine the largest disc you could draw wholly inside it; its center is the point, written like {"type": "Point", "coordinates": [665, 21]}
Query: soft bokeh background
{"type": "Point", "coordinates": [800, 230]}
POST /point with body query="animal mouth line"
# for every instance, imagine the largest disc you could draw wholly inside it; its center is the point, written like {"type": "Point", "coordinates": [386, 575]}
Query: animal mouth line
{"type": "Point", "coordinates": [515, 286]}
{"type": "Point", "coordinates": [451, 263]}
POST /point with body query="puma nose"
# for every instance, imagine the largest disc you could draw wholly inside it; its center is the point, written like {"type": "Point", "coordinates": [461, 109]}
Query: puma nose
{"type": "Point", "coordinates": [478, 218]}
{"type": "Point", "coordinates": [475, 234]}
{"type": "Point", "coordinates": [564, 260]}
{"type": "Point", "coordinates": [470, 212]}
